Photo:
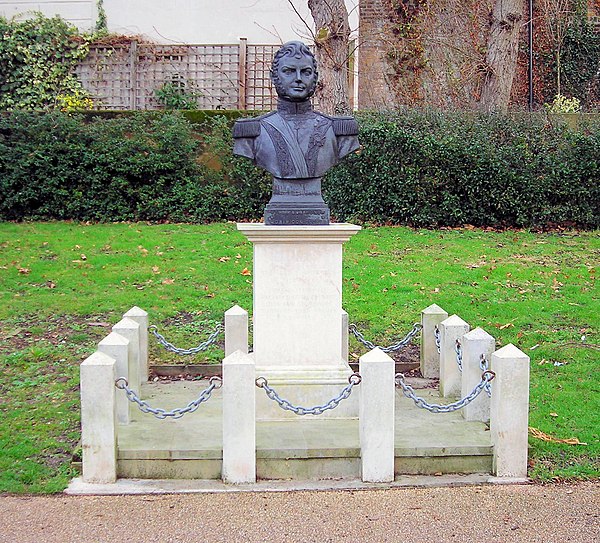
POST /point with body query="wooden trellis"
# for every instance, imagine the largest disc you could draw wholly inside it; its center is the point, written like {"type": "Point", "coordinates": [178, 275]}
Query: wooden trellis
{"type": "Point", "coordinates": [126, 77]}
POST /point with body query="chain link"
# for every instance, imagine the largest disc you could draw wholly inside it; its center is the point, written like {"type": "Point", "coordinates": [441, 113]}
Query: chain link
{"type": "Point", "coordinates": [459, 354]}
{"type": "Point", "coordinates": [353, 380]}
{"type": "Point", "coordinates": [394, 347]}
{"type": "Point", "coordinates": [409, 392]}
{"type": "Point", "coordinates": [159, 413]}
{"type": "Point", "coordinates": [484, 365]}
{"type": "Point", "coordinates": [438, 339]}
{"type": "Point", "coordinates": [194, 350]}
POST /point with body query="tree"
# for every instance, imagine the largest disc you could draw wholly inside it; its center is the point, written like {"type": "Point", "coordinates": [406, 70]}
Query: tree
{"type": "Point", "coordinates": [331, 36]}
{"type": "Point", "coordinates": [501, 55]}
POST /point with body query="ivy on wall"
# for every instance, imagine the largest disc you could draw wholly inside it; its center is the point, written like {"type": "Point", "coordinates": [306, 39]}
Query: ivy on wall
{"type": "Point", "coordinates": [37, 59]}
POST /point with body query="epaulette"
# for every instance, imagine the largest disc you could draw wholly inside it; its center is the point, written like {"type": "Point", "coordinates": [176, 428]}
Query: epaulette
{"type": "Point", "coordinates": [246, 128]}
{"type": "Point", "coordinates": [345, 126]}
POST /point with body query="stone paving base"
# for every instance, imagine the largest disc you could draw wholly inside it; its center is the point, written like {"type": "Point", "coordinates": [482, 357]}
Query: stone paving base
{"type": "Point", "coordinates": [195, 486]}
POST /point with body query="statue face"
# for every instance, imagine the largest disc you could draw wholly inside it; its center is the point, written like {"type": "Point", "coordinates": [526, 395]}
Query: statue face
{"type": "Point", "coordinates": [296, 78]}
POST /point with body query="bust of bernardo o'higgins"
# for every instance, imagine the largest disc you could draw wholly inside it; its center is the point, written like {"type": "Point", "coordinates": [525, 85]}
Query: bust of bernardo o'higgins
{"type": "Point", "coordinates": [295, 142]}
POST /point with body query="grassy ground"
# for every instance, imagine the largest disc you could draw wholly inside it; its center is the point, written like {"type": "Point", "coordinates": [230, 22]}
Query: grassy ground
{"type": "Point", "coordinates": [62, 285]}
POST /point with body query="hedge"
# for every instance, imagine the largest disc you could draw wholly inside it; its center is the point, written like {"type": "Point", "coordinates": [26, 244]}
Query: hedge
{"type": "Point", "coordinates": [416, 168]}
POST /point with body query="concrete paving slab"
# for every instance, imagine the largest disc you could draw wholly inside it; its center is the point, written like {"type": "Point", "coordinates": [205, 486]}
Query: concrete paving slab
{"type": "Point", "coordinates": [196, 486]}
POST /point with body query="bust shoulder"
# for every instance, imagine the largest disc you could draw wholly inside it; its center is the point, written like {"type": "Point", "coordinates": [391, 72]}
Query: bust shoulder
{"type": "Point", "coordinates": [248, 127]}
{"type": "Point", "coordinates": [345, 125]}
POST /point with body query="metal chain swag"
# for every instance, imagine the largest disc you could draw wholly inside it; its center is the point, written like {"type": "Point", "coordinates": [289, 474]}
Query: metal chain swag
{"type": "Point", "coordinates": [394, 347]}
{"type": "Point", "coordinates": [459, 355]}
{"type": "Point", "coordinates": [194, 350]}
{"type": "Point", "coordinates": [438, 339]}
{"type": "Point", "coordinates": [159, 413]}
{"type": "Point", "coordinates": [353, 380]}
{"type": "Point", "coordinates": [409, 392]}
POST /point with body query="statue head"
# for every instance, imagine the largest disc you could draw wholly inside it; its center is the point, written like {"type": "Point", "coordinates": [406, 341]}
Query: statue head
{"type": "Point", "coordinates": [294, 72]}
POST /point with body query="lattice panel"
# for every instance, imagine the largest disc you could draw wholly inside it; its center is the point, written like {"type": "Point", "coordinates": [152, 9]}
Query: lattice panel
{"type": "Point", "coordinates": [106, 74]}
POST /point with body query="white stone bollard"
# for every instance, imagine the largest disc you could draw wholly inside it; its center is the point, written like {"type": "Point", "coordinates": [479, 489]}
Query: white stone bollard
{"type": "Point", "coordinates": [239, 419]}
{"type": "Point", "coordinates": [141, 317]}
{"type": "Point", "coordinates": [345, 323]}
{"type": "Point", "coordinates": [130, 330]}
{"type": "Point", "coordinates": [509, 411]}
{"type": "Point", "coordinates": [376, 416]}
{"type": "Point", "coordinates": [98, 419]}
{"type": "Point", "coordinates": [451, 329]}
{"type": "Point", "coordinates": [236, 330]}
{"type": "Point", "coordinates": [431, 317]}
{"type": "Point", "coordinates": [474, 344]}
{"type": "Point", "coordinates": [116, 346]}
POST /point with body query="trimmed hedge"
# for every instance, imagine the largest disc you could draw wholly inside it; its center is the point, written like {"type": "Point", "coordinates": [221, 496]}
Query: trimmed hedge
{"type": "Point", "coordinates": [450, 169]}
{"type": "Point", "coordinates": [416, 168]}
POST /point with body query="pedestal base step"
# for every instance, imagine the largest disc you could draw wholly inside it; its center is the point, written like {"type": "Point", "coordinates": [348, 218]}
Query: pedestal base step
{"type": "Point", "coordinates": [302, 448]}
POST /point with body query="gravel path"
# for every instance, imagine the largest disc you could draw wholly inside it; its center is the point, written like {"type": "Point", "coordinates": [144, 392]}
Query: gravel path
{"type": "Point", "coordinates": [503, 514]}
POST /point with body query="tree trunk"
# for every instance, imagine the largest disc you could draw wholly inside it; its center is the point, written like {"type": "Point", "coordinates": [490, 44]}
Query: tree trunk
{"type": "Point", "coordinates": [501, 57]}
{"type": "Point", "coordinates": [332, 33]}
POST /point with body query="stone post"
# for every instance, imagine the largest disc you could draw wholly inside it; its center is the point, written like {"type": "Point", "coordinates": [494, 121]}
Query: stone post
{"type": "Point", "coordinates": [451, 329]}
{"type": "Point", "coordinates": [239, 419]}
{"type": "Point", "coordinates": [141, 317]}
{"type": "Point", "coordinates": [509, 411]}
{"type": "Point", "coordinates": [474, 344]}
{"type": "Point", "coordinates": [236, 330]}
{"type": "Point", "coordinates": [376, 416]}
{"type": "Point", "coordinates": [98, 419]}
{"type": "Point", "coordinates": [431, 317]}
{"type": "Point", "coordinates": [117, 347]}
{"type": "Point", "coordinates": [345, 323]}
{"type": "Point", "coordinates": [130, 330]}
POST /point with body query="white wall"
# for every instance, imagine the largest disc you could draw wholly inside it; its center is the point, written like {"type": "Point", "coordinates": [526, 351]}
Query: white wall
{"type": "Point", "coordinates": [186, 21]}
{"type": "Point", "coordinates": [81, 13]}
{"type": "Point", "coordinates": [211, 21]}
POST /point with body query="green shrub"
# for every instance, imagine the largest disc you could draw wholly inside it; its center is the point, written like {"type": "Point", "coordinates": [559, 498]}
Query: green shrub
{"type": "Point", "coordinates": [415, 168]}
{"type": "Point", "coordinates": [434, 169]}
{"type": "Point", "coordinates": [37, 59]}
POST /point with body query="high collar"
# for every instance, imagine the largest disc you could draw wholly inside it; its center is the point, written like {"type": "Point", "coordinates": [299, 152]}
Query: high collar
{"type": "Point", "coordinates": [294, 108]}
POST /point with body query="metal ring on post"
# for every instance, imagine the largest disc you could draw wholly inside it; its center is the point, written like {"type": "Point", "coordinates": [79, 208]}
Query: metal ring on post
{"type": "Point", "coordinates": [216, 381]}
{"type": "Point", "coordinates": [355, 379]}
{"type": "Point", "coordinates": [261, 382]}
{"type": "Point", "coordinates": [488, 372]}
{"type": "Point", "coordinates": [121, 383]}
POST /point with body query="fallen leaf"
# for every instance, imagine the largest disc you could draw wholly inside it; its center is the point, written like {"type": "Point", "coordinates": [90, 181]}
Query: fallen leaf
{"type": "Point", "coordinates": [77, 246]}
{"type": "Point", "coordinates": [507, 325]}
{"type": "Point", "coordinates": [168, 281]}
{"type": "Point", "coordinates": [534, 347]}
{"type": "Point", "coordinates": [50, 284]}
{"type": "Point", "coordinates": [24, 271]}
{"type": "Point", "coordinates": [224, 259]}
{"type": "Point", "coordinates": [538, 434]}
{"type": "Point", "coordinates": [238, 256]}
{"type": "Point", "coordinates": [103, 324]}
{"type": "Point", "coordinates": [553, 414]}
{"type": "Point", "coordinates": [155, 270]}
{"type": "Point", "coordinates": [246, 271]}
{"type": "Point", "coordinates": [83, 257]}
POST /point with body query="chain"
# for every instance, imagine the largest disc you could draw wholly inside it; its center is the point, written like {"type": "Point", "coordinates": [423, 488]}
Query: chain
{"type": "Point", "coordinates": [395, 347]}
{"type": "Point", "coordinates": [409, 392]}
{"type": "Point", "coordinates": [353, 380]}
{"type": "Point", "coordinates": [438, 339]}
{"type": "Point", "coordinates": [484, 365]}
{"type": "Point", "coordinates": [194, 350]}
{"type": "Point", "coordinates": [215, 382]}
{"type": "Point", "coordinates": [459, 354]}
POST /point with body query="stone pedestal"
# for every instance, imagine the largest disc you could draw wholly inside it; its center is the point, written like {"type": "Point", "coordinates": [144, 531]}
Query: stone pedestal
{"type": "Point", "coordinates": [297, 314]}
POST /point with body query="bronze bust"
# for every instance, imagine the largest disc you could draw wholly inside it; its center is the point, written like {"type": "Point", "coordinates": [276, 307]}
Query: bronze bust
{"type": "Point", "coordinates": [296, 144]}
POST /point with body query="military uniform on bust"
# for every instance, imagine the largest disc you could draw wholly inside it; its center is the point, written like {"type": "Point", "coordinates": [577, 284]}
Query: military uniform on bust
{"type": "Point", "coordinates": [296, 144]}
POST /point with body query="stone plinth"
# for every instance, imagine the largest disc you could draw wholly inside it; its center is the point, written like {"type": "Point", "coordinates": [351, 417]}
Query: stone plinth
{"type": "Point", "coordinates": [297, 311]}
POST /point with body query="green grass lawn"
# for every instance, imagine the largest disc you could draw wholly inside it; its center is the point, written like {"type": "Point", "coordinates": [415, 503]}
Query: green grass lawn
{"type": "Point", "coordinates": [63, 284]}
